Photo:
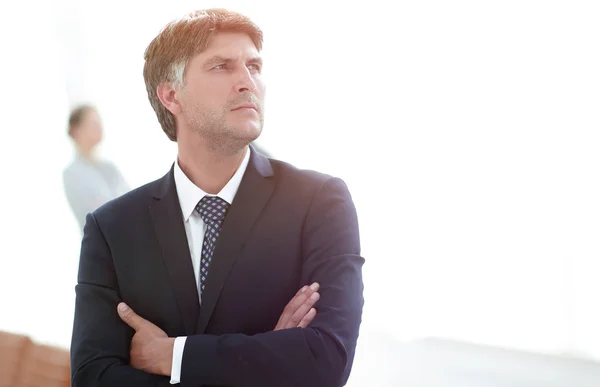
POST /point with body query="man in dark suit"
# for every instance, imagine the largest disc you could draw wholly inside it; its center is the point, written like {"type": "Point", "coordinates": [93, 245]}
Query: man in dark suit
{"type": "Point", "coordinates": [194, 278]}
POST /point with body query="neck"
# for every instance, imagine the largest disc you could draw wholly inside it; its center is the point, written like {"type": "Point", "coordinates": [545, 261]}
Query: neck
{"type": "Point", "coordinates": [86, 151]}
{"type": "Point", "coordinates": [207, 169]}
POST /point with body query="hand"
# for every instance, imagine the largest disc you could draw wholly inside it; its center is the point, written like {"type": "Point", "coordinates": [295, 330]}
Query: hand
{"type": "Point", "coordinates": [151, 348]}
{"type": "Point", "coordinates": [299, 312]}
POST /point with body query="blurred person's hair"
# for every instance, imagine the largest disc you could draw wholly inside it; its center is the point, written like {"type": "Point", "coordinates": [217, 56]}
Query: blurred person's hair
{"type": "Point", "coordinates": [168, 54]}
{"type": "Point", "coordinates": [77, 115]}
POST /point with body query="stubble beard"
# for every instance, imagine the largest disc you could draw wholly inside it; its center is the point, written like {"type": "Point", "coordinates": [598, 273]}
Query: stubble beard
{"type": "Point", "coordinates": [219, 137]}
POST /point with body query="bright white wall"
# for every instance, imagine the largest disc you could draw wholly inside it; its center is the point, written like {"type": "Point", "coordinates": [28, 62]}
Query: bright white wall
{"type": "Point", "coordinates": [467, 132]}
{"type": "Point", "coordinates": [40, 238]}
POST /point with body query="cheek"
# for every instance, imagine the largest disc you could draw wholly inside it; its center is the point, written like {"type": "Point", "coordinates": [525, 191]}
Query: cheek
{"type": "Point", "coordinates": [210, 98]}
{"type": "Point", "coordinates": [260, 87]}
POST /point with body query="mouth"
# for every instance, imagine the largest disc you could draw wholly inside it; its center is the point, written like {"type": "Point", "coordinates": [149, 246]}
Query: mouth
{"type": "Point", "coordinates": [245, 106]}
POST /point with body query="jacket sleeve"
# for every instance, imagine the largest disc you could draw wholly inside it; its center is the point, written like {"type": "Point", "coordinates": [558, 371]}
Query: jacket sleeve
{"type": "Point", "coordinates": [101, 341]}
{"type": "Point", "coordinates": [320, 355]}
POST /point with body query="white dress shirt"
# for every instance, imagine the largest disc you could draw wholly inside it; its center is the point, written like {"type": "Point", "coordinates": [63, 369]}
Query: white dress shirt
{"type": "Point", "coordinates": [189, 195]}
{"type": "Point", "coordinates": [89, 184]}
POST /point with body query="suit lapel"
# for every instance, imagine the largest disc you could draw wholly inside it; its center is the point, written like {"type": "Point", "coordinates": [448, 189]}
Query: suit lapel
{"type": "Point", "coordinates": [252, 196]}
{"type": "Point", "coordinates": [170, 232]}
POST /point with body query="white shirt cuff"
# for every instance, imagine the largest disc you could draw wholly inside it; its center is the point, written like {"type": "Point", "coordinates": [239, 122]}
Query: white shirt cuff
{"type": "Point", "coordinates": [177, 359]}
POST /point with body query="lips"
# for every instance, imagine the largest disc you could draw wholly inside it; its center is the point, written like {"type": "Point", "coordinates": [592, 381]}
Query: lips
{"type": "Point", "coordinates": [245, 106]}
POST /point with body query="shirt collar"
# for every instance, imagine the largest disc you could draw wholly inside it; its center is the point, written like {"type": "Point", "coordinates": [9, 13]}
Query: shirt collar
{"type": "Point", "coordinates": [189, 194]}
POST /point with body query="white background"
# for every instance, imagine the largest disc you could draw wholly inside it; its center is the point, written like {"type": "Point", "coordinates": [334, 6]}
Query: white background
{"type": "Point", "coordinates": [467, 131]}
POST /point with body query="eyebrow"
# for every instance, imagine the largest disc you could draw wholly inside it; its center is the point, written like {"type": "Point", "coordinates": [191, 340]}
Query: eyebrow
{"type": "Point", "coordinates": [219, 59]}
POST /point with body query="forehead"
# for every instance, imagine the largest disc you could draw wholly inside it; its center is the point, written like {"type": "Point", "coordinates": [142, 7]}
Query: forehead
{"type": "Point", "coordinates": [230, 44]}
{"type": "Point", "coordinates": [91, 114]}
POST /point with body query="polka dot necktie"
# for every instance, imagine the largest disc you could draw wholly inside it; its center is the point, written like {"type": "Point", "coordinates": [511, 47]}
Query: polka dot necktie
{"type": "Point", "coordinates": [212, 210]}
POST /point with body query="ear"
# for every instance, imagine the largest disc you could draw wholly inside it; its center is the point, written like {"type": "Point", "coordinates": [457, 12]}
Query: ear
{"type": "Point", "coordinates": [168, 97]}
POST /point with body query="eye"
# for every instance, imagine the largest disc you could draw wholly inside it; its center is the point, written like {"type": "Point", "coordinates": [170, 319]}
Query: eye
{"type": "Point", "coordinates": [254, 67]}
{"type": "Point", "coordinates": [221, 66]}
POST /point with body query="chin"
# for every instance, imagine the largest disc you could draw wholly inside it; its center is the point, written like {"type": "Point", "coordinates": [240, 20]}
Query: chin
{"type": "Point", "coordinates": [249, 131]}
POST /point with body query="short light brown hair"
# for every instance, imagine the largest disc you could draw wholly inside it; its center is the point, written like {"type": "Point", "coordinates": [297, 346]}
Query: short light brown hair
{"type": "Point", "coordinates": [168, 54]}
{"type": "Point", "coordinates": [77, 115]}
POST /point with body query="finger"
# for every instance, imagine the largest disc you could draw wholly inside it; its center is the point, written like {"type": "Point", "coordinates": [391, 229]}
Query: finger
{"type": "Point", "coordinates": [301, 298]}
{"type": "Point", "coordinates": [295, 303]}
{"type": "Point", "coordinates": [302, 290]}
{"type": "Point", "coordinates": [303, 310]}
{"type": "Point", "coordinates": [130, 317]}
{"type": "Point", "coordinates": [288, 306]}
{"type": "Point", "coordinates": [307, 319]}
{"type": "Point", "coordinates": [300, 295]}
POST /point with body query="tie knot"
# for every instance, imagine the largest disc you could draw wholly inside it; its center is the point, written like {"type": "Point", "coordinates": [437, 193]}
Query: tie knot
{"type": "Point", "coordinates": [212, 209]}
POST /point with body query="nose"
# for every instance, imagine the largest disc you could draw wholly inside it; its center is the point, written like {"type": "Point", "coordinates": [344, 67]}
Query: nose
{"type": "Point", "coordinates": [244, 81]}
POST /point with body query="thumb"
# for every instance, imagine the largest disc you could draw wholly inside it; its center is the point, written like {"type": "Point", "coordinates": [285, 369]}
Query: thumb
{"type": "Point", "coordinates": [130, 317]}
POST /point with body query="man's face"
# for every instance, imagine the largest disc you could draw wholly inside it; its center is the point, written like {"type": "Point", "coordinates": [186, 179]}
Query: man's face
{"type": "Point", "coordinates": [223, 96]}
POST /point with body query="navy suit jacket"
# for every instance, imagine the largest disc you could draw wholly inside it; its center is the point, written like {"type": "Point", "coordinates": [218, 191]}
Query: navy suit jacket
{"type": "Point", "coordinates": [285, 228]}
